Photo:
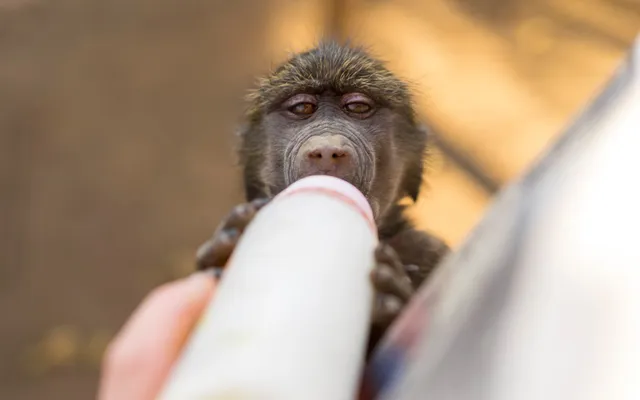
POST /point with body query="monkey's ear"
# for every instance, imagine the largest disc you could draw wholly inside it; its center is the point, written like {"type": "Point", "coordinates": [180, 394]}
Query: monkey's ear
{"type": "Point", "coordinates": [250, 160]}
{"type": "Point", "coordinates": [412, 182]}
{"type": "Point", "coordinates": [240, 144]}
{"type": "Point", "coordinates": [242, 130]}
{"type": "Point", "coordinates": [253, 185]}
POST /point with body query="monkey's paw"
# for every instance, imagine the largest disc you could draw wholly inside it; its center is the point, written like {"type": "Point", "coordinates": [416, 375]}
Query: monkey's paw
{"type": "Point", "coordinates": [215, 252]}
{"type": "Point", "coordinates": [392, 284]}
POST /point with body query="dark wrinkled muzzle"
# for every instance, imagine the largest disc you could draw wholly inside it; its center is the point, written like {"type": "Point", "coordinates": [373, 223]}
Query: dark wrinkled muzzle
{"type": "Point", "coordinates": [363, 164]}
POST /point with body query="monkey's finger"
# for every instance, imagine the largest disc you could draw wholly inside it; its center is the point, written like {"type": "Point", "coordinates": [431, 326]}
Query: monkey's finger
{"type": "Point", "coordinates": [414, 273]}
{"type": "Point", "coordinates": [239, 217]}
{"type": "Point", "coordinates": [216, 252]}
{"type": "Point", "coordinates": [385, 309]}
{"type": "Point", "coordinates": [387, 280]}
{"type": "Point", "coordinates": [216, 272]}
{"type": "Point", "coordinates": [260, 202]}
{"type": "Point", "coordinates": [437, 249]}
{"type": "Point", "coordinates": [385, 254]}
{"type": "Point", "coordinates": [242, 214]}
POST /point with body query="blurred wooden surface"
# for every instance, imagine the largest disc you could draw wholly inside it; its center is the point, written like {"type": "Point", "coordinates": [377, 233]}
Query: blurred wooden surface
{"type": "Point", "coordinates": [116, 135]}
{"type": "Point", "coordinates": [116, 122]}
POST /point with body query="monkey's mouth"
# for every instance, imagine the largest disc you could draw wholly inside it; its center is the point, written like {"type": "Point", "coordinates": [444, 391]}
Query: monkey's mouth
{"type": "Point", "coordinates": [349, 178]}
{"type": "Point", "coordinates": [353, 162]}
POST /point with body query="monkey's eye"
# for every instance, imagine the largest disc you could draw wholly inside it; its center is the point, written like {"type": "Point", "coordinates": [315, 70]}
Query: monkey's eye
{"type": "Point", "coordinates": [358, 108]}
{"type": "Point", "coordinates": [303, 109]}
{"type": "Point", "coordinates": [302, 105]}
{"type": "Point", "coordinates": [358, 105]}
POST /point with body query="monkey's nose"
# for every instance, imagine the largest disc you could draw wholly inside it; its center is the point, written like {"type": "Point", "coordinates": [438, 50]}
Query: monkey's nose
{"type": "Point", "coordinates": [328, 152]}
{"type": "Point", "coordinates": [328, 158]}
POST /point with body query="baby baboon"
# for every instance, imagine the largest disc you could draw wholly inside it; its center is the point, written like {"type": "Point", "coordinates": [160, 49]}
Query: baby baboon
{"type": "Point", "coordinates": [335, 110]}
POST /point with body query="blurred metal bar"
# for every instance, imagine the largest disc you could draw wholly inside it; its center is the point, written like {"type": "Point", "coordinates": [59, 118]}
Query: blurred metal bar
{"type": "Point", "coordinates": [543, 299]}
{"type": "Point", "coordinates": [579, 27]}
{"type": "Point", "coordinates": [336, 25]}
{"type": "Point", "coordinates": [466, 164]}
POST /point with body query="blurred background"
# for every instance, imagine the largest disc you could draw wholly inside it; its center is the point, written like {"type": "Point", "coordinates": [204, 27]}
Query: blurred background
{"type": "Point", "coordinates": [117, 121]}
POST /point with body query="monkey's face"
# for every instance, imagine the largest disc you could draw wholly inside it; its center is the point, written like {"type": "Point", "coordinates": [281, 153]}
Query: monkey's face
{"type": "Point", "coordinates": [329, 135]}
{"type": "Point", "coordinates": [334, 111]}
{"type": "Point", "coordinates": [348, 136]}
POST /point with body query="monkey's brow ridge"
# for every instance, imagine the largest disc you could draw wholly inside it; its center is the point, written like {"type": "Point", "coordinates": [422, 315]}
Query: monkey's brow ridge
{"type": "Point", "coordinates": [330, 66]}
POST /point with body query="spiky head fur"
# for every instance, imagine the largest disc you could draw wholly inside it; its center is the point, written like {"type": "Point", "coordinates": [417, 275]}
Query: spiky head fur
{"type": "Point", "coordinates": [341, 68]}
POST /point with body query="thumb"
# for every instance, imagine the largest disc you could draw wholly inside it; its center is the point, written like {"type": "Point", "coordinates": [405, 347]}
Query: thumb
{"type": "Point", "coordinates": [141, 356]}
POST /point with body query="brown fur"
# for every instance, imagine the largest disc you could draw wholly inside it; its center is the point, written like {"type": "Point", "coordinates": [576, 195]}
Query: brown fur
{"type": "Point", "coordinates": [336, 69]}
{"type": "Point", "coordinates": [342, 69]}
{"type": "Point", "coordinates": [330, 65]}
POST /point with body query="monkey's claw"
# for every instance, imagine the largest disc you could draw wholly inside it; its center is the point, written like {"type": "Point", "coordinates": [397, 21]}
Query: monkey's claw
{"type": "Point", "coordinates": [215, 252]}
{"type": "Point", "coordinates": [392, 284]}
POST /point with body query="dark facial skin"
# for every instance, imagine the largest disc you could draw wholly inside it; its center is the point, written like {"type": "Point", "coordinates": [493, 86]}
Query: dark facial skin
{"type": "Point", "coordinates": [344, 135]}
{"type": "Point", "coordinates": [335, 110]}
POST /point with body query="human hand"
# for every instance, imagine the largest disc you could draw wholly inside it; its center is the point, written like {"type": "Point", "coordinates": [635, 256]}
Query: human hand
{"type": "Point", "coordinates": [140, 357]}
